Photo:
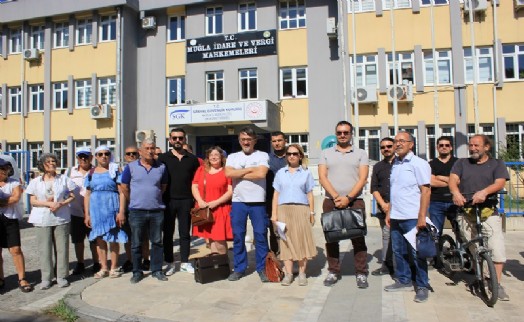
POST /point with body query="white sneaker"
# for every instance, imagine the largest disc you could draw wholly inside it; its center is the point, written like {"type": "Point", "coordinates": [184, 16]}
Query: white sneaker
{"type": "Point", "coordinates": [187, 267]}
{"type": "Point", "coordinates": [170, 269]}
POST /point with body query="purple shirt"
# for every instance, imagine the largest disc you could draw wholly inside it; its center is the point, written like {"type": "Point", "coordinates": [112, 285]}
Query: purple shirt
{"type": "Point", "coordinates": [145, 186]}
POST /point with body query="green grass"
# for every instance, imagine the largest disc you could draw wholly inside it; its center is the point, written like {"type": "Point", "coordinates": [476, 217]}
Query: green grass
{"type": "Point", "coordinates": [62, 311]}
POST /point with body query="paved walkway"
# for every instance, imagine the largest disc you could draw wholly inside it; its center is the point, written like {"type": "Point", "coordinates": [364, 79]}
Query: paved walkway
{"type": "Point", "coordinates": [181, 299]}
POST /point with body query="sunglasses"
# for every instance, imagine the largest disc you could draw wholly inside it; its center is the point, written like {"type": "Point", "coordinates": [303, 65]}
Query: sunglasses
{"type": "Point", "coordinates": [83, 156]}
{"type": "Point", "coordinates": [132, 153]}
{"type": "Point", "coordinates": [339, 133]}
{"type": "Point", "coordinates": [295, 154]}
{"type": "Point", "coordinates": [386, 147]}
{"type": "Point", "coordinates": [444, 145]}
{"type": "Point", "coordinates": [101, 154]}
{"type": "Point", "coordinates": [177, 138]}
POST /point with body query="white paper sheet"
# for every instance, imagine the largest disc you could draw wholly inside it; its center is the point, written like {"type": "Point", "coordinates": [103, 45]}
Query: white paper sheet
{"type": "Point", "coordinates": [411, 236]}
{"type": "Point", "coordinates": [281, 228]}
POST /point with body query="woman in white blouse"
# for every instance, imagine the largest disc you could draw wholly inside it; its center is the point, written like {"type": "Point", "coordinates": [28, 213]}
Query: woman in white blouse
{"type": "Point", "coordinates": [50, 195]}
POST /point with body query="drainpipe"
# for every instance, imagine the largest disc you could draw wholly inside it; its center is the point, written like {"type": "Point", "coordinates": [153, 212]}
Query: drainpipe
{"type": "Point", "coordinates": [118, 81]}
{"type": "Point", "coordinates": [496, 78]}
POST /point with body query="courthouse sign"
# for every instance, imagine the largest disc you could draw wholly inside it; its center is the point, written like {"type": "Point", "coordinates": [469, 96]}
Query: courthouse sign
{"type": "Point", "coordinates": [217, 113]}
{"type": "Point", "coordinates": [246, 44]}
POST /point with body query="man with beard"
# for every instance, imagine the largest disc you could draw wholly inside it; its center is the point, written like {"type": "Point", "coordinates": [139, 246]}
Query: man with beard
{"type": "Point", "coordinates": [181, 167]}
{"type": "Point", "coordinates": [248, 169]}
{"type": "Point", "coordinates": [479, 178]}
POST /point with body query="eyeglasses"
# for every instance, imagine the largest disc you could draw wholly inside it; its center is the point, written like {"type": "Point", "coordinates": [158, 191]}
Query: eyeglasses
{"type": "Point", "coordinates": [401, 141]}
{"type": "Point", "coordinates": [246, 139]}
{"type": "Point", "coordinates": [132, 153]}
{"type": "Point", "coordinates": [177, 138]}
{"type": "Point", "coordinates": [339, 133]}
{"type": "Point", "coordinates": [83, 156]}
{"type": "Point", "coordinates": [444, 145]}
{"type": "Point", "coordinates": [295, 154]}
{"type": "Point", "coordinates": [101, 154]}
{"type": "Point", "coordinates": [383, 147]}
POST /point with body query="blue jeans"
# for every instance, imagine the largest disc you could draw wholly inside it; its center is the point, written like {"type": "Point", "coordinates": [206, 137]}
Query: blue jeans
{"type": "Point", "coordinates": [140, 220]}
{"type": "Point", "coordinates": [260, 222]}
{"type": "Point", "coordinates": [401, 247]}
{"type": "Point", "coordinates": [439, 211]}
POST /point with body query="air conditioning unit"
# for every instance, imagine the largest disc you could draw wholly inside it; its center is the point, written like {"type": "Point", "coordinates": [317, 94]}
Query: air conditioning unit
{"type": "Point", "coordinates": [519, 4]}
{"type": "Point", "coordinates": [331, 28]}
{"type": "Point", "coordinates": [31, 54]}
{"type": "Point", "coordinates": [149, 22]}
{"type": "Point", "coordinates": [189, 102]}
{"type": "Point", "coordinates": [478, 5]}
{"type": "Point", "coordinates": [141, 135]}
{"type": "Point", "coordinates": [101, 111]}
{"type": "Point", "coordinates": [366, 94]}
{"type": "Point", "coordinates": [404, 93]}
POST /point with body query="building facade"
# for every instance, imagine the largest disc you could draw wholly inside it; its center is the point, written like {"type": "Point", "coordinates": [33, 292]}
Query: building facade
{"type": "Point", "coordinates": [84, 73]}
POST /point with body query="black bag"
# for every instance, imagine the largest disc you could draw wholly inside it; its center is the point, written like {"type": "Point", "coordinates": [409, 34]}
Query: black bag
{"type": "Point", "coordinates": [211, 268]}
{"type": "Point", "coordinates": [343, 224]}
{"type": "Point", "coordinates": [427, 241]}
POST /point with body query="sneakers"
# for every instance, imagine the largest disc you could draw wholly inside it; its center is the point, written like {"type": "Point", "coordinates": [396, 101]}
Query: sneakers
{"type": "Point", "coordinates": [62, 282]}
{"type": "Point", "coordinates": [127, 267]}
{"type": "Point", "coordinates": [79, 269]}
{"type": "Point", "coordinates": [383, 270]}
{"type": "Point", "coordinates": [45, 285]}
{"type": "Point", "coordinates": [362, 281]}
{"type": "Point", "coordinates": [263, 277]}
{"type": "Point", "coordinates": [399, 287]}
{"type": "Point", "coordinates": [422, 295]}
{"type": "Point", "coordinates": [170, 269]}
{"type": "Point", "coordinates": [302, 279]}
{"type": "Point", "coordinates": [235, 276]}
{"type": "Point", "coordinates": [187, 267]}
{"type": "Point", "coordinates": [503, 296]}
{"type": "Point", "coordinates": [137, 277]}
{"type": "Point", "coordinates": [287, 280]}
{"type": "Point", "coordinates": [331, 279]}
{"type": "Point", "coordinates": [159, 276]}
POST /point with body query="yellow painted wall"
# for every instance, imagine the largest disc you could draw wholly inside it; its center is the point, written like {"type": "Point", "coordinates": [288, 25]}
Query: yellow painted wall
{"type": "Point", "coordinates": [176, 59]}
{"type": "Point", "coordinates": [10, 70]}
{"type": "Point", "coordinates": [176, 11]}
{"type": "Point", "coordinates": [34, 127]}
{"type": "Point", "coordinates": [509, 102]}
{"type": "Point", "coordinates": [80, 125]}
{"type": "Point", "coordinates": [10, 128]}
{"type": "Point", "coordinates": [295, 116]}
{"type": "Point", "coordinates": [510, 24]}
{"type": "Point", "coordinates": [34, 71]}
{"type": "Point", "coordinates": [292, 47]}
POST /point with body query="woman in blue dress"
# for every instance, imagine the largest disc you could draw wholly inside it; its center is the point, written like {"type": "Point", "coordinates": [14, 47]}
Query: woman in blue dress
{"type": "Point", "coordinates": [104, 211]}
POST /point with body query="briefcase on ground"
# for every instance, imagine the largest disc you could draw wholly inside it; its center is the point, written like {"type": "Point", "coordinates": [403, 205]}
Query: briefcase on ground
{"type": "Point", "coordinates": [211, 268]}
{"type": "Point", "coordinates": [341, 224]}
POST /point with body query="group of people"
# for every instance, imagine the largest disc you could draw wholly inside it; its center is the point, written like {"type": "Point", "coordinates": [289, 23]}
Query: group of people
{"type": "Point", "coordinates": [141, 203]}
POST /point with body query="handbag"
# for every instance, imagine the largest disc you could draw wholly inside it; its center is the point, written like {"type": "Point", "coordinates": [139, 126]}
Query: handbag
{"type": "Point", "coordinates": [427, 241]}
{"type": "Point", "coordinates": [202, 216]}
{"type": "Point", "coordinates": [274, 270]}
{"type": "Point", "coordinates": [211, 268]}
{"type": "Point", "coordinates": [343, 224]}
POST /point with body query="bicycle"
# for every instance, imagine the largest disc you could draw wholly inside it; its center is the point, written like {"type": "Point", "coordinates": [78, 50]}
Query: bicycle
{"type": "Point", "coordinates": [455, 256]}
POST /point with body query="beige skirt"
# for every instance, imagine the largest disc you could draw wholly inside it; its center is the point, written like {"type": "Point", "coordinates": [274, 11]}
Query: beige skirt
{"type": "Point", "coordinates": [299, 243]}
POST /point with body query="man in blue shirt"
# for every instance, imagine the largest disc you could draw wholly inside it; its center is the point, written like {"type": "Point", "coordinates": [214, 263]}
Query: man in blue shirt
{"type": "Point", "coordinates": [144, 181]}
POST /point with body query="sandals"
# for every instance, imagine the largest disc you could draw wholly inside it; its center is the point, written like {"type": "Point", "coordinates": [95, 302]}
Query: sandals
{"type": "Point", "coordinates": [26, 288]}
{"type": "Point", "coordinates": [114, 273]}
{"type": "Point", "coordinates": [101, 274]}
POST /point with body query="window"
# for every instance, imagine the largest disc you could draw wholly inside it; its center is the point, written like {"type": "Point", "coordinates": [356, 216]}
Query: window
{"type": "Point", "coordinates": [110, 143]}
{"type": "Point", "coordinates": [60, 149]}
{"type": "Point", "coordinates": [215, 86]}
{"type": "Point", "coordinates": [214, 21]}
{"type": "Point", "coordinates": [15, 41]}
{"type": "Point", "coordinates": [248, 84]}
{"type": "Point", "coordinates": [293, 82]}
{"type": "Point", "coordinates": [443, 66]}
{"type": "Point", "coordinates": [435, 2]}
{"type": "Point", "coordinates": [302, 139]}
{"type": "Point", "coordinates": [515, 136]}
{"type": "Point", "coordinates": [83, 93]}
{"type": "Point", "coordinates": [177, 28]}
{"type": "Point", "coordinates": [35, 150]}
{"type": "Point", "coordinates": [397, 4]}
{"type": "Point", "coordinates": [107, 90]}
{"type": "Point", "coordinates": [513, 62]}
{"type": "Point", "coordinates": [60, 96]}
{"type": "Point", "coordinates": [15, 150]}
{"type": "Point", "coordinates": [176, 91]}
{"type": "Point", "coordinates": [36, 98]}
{"type": "Point", "coordinates": [84, 31]}
{"type": "Point", "coordinates": [107, 28]}
{"type": "Point", "coordinates": [37, 37]}
{"type": "Point", "coordinates": [247, 16]}
{"type": "Point", "coordinates": [484, 64]}
{"type": "Point", "coordinates": [361, 5]}
{"type": "Point", "coordinates": [404, 68]}
{"type": "Point", "coordinates": [366, 69]}
{"type": "Point", "coordinates": [15, 100]}
{"type": "Point", "coordinates": [61, 37]}
{"type": "Point", "coordinates": [292, 14]}
{"type": "Point", "coordinates": [82, 144]}
{"type": "Point", "coordinates": [431, 140]}
{"type": "Point", "coordinates": [369, 140]}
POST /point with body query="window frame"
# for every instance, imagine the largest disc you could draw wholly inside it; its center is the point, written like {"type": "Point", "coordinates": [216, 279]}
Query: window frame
{"type": "Point", "coordinates": [244, 82]}
{"type": "Point", "coordinates": [179, 34]}
{"type": "Point", "coordinates": [83, 93]}
{"type": "Point", "coordinates": [17, 98]}
{"type": "Point", "coordinates": [299, 138]}
{"type": "Point", "coordinates": [63, 91]}
{"type": "Point", "coordinates": [35, 150]}
{"type": "Point", "coordinates": [428, 63]}
{"type": "Point", "coordinates": [37, 37]}
{"type": "Point", "coordinates": [84, 28]}
{"type": "Point", "coordinates": [397, 4]}
{"type": "Point", "coordinates": [107, 28]}
{"type": "Point", "coordinates": [245, 10]}
{"type": "Point", "coordinates": [217, 84]}
{"type": "Point", "coordinates": [518, 50]}
{"type": "Point", "coordinates": [59, 148]}
{"type": "Point", "coordinates": [363, 61]}
{"type": "Point", "coordinates": [401, 59]}
{"type": "Point", "coordinates": [180, 92]}
{"type": "Point", "coordinates": [468, 60]}
{"type": "Point", "coordinates": [61, 35]}
{"type": "Point", "coordinates": [107, 88]}
{"type": "Point", "coordinates": [300, 19]}
{"type": "Point", "coordinates": [214, 20]}
{"type": "Point", "coordinates": [16, 32]}
{"type": "Point", "coordinates": [294, 80]}
{"type": "Point", "coordinates": [361, 6]}
{"type": "Point", "coordinates": [36, 98]}
{"type": "Point", "coordinates": [441, 3]}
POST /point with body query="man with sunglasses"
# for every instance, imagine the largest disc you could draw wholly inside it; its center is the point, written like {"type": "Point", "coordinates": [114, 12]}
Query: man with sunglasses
{"type": "Point", "coordinates": [343, 171]}
{"type": "Point", "coordinates": [441, 205]}
{"type": "Point", "coordinates": [181, 167]}
{"type": "Point", "coordinates": [380, 189]}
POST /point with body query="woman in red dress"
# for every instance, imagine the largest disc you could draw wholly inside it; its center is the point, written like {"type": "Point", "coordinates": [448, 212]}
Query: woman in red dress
{"type": "Point", "coordinates": [218, 191]}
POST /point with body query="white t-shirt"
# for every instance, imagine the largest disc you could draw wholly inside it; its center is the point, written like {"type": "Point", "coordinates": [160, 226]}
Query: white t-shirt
{"type": "Point", "coordinates": [248, 190]}
{"type": "Point", "coordinates": [77, 206]}
{"type": "Point", "coordinates": [12, 211]}
{"type": "Point", "coordinates": [42, 216]}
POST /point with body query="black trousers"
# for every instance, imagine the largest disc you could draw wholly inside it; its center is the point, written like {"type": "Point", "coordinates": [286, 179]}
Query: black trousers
{"type": "Point", "coordinates": [177, 209]}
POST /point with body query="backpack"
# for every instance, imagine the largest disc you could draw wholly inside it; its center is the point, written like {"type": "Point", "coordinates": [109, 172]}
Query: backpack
{"type": "Point", "coordinates": [274, 270]}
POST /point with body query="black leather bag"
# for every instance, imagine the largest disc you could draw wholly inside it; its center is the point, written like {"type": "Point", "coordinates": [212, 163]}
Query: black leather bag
{"type": "Point", "coordinates": [427, 241]}
{"type": "Point", "coordinates": [343, 224]}
{"type": "Point", "coordinates": [211, 268]}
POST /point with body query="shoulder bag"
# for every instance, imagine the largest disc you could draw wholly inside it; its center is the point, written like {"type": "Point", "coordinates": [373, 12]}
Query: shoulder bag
{"type": "Point", "coordinates": [274, 270]}
{"type": "Point", "coordinates": [341, 224]}
{"type": "Point", "coordinates": [202, 216]}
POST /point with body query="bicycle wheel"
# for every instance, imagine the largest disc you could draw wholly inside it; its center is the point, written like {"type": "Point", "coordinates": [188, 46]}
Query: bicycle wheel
{"type": "Point", "coordinates": [446, 255]}
{"type": "Point", "coordinates": [489, 286]}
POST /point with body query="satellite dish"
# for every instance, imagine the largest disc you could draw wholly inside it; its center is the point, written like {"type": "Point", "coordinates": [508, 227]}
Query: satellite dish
{"type": "Point", "coordinates": [328, 142]}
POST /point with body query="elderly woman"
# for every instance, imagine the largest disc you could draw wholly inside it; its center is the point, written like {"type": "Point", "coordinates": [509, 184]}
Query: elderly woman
{"type": "Point", "coordinates": [50, 195]}
{"type": "Point", "coordinates": [104, 208]}
{"type": "Point", "coordinates": [210, 181]}
{"type": "Point", "coordinates": [293, 205]}
{"type": "Point", "coordinates": [10, 214]}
